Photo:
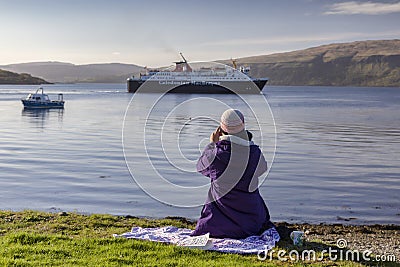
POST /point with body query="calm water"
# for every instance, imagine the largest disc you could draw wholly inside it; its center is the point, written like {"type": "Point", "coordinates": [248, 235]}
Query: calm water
{"type": "Point", "coordinates": [337, 152]}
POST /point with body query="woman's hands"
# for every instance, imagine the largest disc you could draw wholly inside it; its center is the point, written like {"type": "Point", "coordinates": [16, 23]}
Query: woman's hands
{"type": "Point", "coordinates": [214, 137]}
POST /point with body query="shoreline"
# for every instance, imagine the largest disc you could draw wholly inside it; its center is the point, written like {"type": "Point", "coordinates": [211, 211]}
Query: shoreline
{"type": "Point", "coordinates": [340, 220]}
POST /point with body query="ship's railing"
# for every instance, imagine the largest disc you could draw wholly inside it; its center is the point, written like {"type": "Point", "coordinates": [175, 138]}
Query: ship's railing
{"type": "Point", "coordinates": [194, 74]}
{"type": "Point", "coordinates": [198, 78]}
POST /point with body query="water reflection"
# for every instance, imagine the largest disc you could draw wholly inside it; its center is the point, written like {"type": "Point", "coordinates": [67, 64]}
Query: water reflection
{"type": "Point", "coordinates": [40, 117]}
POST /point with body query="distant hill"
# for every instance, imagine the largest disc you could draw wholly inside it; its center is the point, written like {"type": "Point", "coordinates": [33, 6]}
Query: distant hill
{"type": "Point", "coordinates": [60, 72]}
{"type": "Point", "coordinates": [363, 63]}
{"type": "Point", "coordinates": [7, 77]}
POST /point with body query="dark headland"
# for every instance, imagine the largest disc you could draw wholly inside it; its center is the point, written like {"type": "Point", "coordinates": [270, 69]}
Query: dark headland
{"type": "Point", "coordinates": [8, 77]}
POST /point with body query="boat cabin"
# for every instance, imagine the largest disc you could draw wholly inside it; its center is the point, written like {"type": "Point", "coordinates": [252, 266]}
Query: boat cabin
{"type": "Point", "coordinates": [38, 97]}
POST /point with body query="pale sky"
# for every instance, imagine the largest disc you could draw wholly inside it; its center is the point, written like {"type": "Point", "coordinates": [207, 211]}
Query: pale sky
{"type": "Point", "coordinates": [152, 33]}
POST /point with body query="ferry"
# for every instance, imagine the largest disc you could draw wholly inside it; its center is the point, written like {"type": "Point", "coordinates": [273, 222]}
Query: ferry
{"type": "Point", "coordinates": [40, 100]}
{"type": "Point", "coordinates": [207, 78]}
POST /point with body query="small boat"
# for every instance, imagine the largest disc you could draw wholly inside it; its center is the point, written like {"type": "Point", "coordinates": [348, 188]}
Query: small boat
{"type": "Point", "coordinates": [41, 100]}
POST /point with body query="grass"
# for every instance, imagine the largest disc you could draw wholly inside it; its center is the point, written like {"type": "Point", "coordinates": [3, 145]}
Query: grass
{"type": "Point", "coordinates": [32, 238]}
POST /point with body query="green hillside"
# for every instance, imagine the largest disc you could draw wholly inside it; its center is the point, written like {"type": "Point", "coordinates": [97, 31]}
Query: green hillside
{"type": "Point", "coordinates": [7, 77]}
{"type": "Point", "coordinates": [363, 63]}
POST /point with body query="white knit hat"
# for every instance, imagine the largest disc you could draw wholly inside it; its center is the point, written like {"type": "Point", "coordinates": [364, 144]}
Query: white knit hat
{"type": "Point", "coordinates": [232, 121]}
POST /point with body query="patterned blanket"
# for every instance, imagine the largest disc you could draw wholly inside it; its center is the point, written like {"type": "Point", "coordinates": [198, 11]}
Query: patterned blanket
{"type": "Point", "coordinates": [180, 236]}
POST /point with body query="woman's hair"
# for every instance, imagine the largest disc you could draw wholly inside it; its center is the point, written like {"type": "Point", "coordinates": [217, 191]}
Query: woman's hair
{"type": "Point", "coordinates": [249, 135]}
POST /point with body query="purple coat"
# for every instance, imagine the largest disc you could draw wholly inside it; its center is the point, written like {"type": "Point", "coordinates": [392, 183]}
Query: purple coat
{"type": "Point", "coordinates": [234, 206]}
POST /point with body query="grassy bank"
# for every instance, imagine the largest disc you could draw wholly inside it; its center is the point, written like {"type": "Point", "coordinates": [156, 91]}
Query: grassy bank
{"type": "Point", "coordinates": [31, 238]}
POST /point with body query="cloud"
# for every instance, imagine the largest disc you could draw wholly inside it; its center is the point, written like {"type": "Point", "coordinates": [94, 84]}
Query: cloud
{"type": "Point", "coordinates": [364, 8]}
{"type": "Point", "coordinates": [116, 53]}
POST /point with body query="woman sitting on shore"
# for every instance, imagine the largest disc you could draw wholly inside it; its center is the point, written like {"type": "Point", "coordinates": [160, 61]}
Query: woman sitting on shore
{"type": "Point", "coordinates": [234, 206]}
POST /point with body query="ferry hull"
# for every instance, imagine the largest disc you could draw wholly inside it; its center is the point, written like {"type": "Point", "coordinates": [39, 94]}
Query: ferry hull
{"type": "Point", "coordinates": [229, 87]}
